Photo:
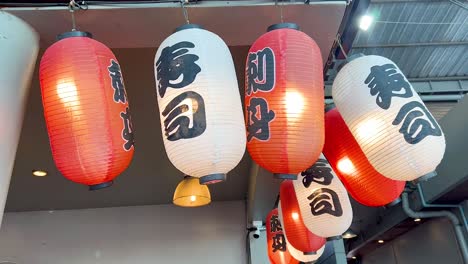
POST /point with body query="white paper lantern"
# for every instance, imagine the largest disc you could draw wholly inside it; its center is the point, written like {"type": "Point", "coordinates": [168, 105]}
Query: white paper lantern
{"type": "Point", "coordinates": [393, 127]}
{"type": "Point", "coordinates": [199, 102]}
{"type": "Point", "coordinates": [19, 44]}
{"type": "Point", "coordinates": [323, 200]}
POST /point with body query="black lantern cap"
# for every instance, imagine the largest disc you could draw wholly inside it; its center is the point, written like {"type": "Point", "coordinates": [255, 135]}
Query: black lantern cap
{"type": "Point", "coordinates": [100, 186]}
{"type": "Point", "coordinates": [283, 25]}
{"type": "Point", "coordinates": [72, 34]}
{"type": "Point", "coordinates": [187, 26]}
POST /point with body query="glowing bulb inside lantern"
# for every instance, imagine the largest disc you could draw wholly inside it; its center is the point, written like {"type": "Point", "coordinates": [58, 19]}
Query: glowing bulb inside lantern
{"type": "Point", "coordinates": [66, 90]}
{"type": "Point", "coordinates": [368, 129]}
{"type": "Point", "coordinates": [294, 103]}
{"type": "Point", "coordinates": [295, 216]}
{"type": "Point", "coordinates": [346, 166]}
{"type": "Point", "coordinates": [193, 198]}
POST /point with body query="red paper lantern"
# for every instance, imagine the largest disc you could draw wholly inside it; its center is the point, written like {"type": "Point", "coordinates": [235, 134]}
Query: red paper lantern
{"type": "Point", "coordinates": [276, 241]}
{"type": "Point", "coordinates": [284, 101]}
{"type": "Point", "coordinates": [86, 110]}
{"type": "Point", "coordinates": [298, 234]}
{"type": "Point", "coordinates": [362, 181]}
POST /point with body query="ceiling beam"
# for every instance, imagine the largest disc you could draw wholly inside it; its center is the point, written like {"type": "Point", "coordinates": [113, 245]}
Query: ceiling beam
{"type": "Point", "coordinates": [414, 44]}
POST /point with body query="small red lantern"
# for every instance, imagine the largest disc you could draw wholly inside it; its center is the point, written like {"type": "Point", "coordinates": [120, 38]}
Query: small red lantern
{"type": "Point", "coordinates": [284, 101]}
{"type": "Point", "coordinates": [86, 110]}
{"type": "Point", "coordinates": [362, 181]}
{"type": "Point", "coordinates": [277, 247]}
{"type": "Point", "coordinates": [297, 233]}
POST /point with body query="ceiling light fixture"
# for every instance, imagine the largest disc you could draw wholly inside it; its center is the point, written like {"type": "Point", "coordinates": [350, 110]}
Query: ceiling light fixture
{"type": "Point", "coordinates": [380, 241]}
{"type": "Point", "coordinates": [417, 220]}
{"type": "Point", "coordinates": [190, 193]}
{"type": "Point", "coordinates": [349, 234]}
{"type": "Point", "coordinates": [353, 257]}
{"type": "Point", "coordinates": [39, 173]}
{"type": "Point", "coordinates": [365, 22]}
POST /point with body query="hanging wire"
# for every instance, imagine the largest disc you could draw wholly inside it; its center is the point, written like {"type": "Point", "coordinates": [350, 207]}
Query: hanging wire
{"type": "Point", "coordinates": [72, 7]}
{"type": "Point", "coordinates": [338, 41]}
{"type": "Point", "coordinates": [280, 9]}
{"type": "Point", "coordinates": [184, 11]}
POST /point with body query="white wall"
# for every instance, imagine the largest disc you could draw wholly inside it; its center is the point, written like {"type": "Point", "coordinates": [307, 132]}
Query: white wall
{"type": "Point", "coordinates": [127, 235]}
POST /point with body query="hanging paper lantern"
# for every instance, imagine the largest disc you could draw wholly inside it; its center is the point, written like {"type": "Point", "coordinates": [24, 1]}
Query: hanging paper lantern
{"type": "Point", "coordinates": [299, 236]}
{"type": "Point", "coordinates": [190, 193]}
{"type": "Point", "coordinates": [391, 124]}
{"type": "Point", "coordinates": [362, 181]}
{"type": "Point", "coordinates": [86, 110]}
{"type": "Point", "coordinates": [284, 101]}
{"type": "Point", "coordinates": [277, 247]}
{"type": "Point", "coordinates": [199, 103]}
{"type": "Point", "coordinates": [19, 44]}
{"type": "Point", "coordinates": [322, 199]}
{"type": "Point", "coordinates": [298, 255]}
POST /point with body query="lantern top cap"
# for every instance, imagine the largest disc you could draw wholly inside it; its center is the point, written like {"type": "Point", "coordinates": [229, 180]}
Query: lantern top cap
{"type": "Point", "coordinates": [74, 34]}
{"type": "Point", "coordinates": [188, 26]}
{"type": "Point", "coordinates": [282, 26]}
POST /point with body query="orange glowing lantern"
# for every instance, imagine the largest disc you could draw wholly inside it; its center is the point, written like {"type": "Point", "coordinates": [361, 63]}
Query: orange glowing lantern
{"type": "Point", "coordinates": [296, 231]}
{"type": "Point", "coordinates": [284, 101]}
{"type": "Point", "coordinates": [362, 181]}
{"type": "Point", "coordinates": [86, 110]}
{"type": "Point", "coordinates": [277, 247]}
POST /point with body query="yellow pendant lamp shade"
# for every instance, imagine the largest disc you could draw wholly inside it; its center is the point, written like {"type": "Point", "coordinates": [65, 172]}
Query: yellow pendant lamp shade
{"type": "Point", "coordinates": [190, 193]}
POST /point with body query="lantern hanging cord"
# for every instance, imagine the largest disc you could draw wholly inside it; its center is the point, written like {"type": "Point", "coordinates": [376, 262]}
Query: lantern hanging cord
{"type": "Point", "coordinates": [184, 10]}
{"type": "Point", "coordinates": [338, 41]}
{"type": "Point", "coordinates": [280, 7]}
{"type": "Point", "coordinates": [72, 6]}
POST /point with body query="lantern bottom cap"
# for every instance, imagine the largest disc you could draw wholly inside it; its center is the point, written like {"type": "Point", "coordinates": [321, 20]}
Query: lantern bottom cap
{"type": "Point", "coordinates": [425, 177]}
{"type": "Point", "coordinates": [334, 238]}
{"type": "Point", "coordinates": [285, 176]}
{"type": "Point", "coordinates": [213, 178]}
{"type": "Point", "coordinates": [100, 186]}
{"type": "Point", "coordinates": [310, 253]}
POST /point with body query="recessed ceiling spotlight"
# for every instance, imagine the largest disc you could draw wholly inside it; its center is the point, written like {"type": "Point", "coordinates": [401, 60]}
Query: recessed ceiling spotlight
{"type": "Point", "coordinates": [39, 173]}
{"type": "Point", "coordinates": [365, 22]}
{"type": "Point", "coordinates": [353, 257]}
{"type": "Point", "coordinates": [380, 241]}
{"type": "Point", "coordinates": [417, 219]}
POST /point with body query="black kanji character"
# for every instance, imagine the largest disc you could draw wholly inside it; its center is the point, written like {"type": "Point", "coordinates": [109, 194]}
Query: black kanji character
{"type": "Point", "coordinates": [176, 68]}
{"type": "Point", "coordinates": [184, 116]}
{"type": "Point", "coordinates": [258, 119]}
{"type": "Point", "coordinates": [319, 173]}
{"type": "Point", "coordinates": [385, 82]}
{"type": "Point", "coordinates": [127, 131]}
{"type": "Point", "coordinates": [117, 82]}
{"type": "Point", "coordinates": [260, 71]}
{"type": "Point", "coordinates": [275, 224]}
{"type": "Point", "coordinates": [418, 123]}
{"type": "Point", "coordinates": [325, 201]}
{"type": "Point", "coordinates": [279, 243]}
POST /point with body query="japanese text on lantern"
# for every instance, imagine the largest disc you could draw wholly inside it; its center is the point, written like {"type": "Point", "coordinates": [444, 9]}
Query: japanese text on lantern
{"type": "Point", "coordinates": [278, 241]}
{"type": "Point", "coordinates": [120, 96]}
{"type": "Point", "coordinates": [385, 82]}
{"type": "Point", "coordinates": [260, 79]}
{"type": "Point", "coordinates": [323, 200]}
{"type": "Point", "coordinates": [184, 116]}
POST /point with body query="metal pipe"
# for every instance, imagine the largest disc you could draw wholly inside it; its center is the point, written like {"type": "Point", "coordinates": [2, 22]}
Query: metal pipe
{"type": "Point", "coordinates": [451, 216]}
{"type": "Point", "coordinates": [428, 205]}
{"type": "Point", "coordinates": [402, 45]}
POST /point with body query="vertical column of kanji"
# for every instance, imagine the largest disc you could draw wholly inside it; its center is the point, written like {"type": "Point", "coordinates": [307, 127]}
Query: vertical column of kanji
{"type": "Point", "coordinates": [388, 119]}
{"type": "Point", "coordinates": [199, 102]}
{"type": "Point", "coordinates": [323, 200]}
{"type": "Point", "coordinates": [277, 248]}
{"type": "Point", "coordinates": [19, 44]}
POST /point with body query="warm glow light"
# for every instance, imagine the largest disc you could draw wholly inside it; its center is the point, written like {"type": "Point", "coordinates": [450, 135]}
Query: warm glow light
{"type": "Point", "coordinates": [380, 241]}
{"type": "Point", "coordinates": [365, 22]}
{"type": "Point", "coordinates": [346, 166]}
{"type": "Point", "coordinates": [417, 220]}
{"type": "Point", "coordinates": [39, 173]}
{"type": "Point", "coordinates": [193, 198]}
{"type": "Point", "coordinates": [295, 216]}
{"type": "Point", "coordinates": [353, 257]}
{"type": "Point", "coordinates": [294, 104]}
{"type": "Point", "coordinates": [368, 129]}
{"type": "Point", "coordinates": [68, 94]}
